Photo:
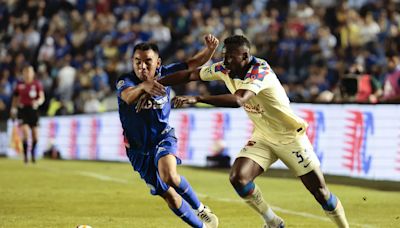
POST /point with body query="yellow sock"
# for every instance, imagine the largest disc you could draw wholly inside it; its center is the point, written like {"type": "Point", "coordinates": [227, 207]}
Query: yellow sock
{"type": "Point", "coordinates": [256, 201]}
{"type": "Point", "coordinates": [338, 216]}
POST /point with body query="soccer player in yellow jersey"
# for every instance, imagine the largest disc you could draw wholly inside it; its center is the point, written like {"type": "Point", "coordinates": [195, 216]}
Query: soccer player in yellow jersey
{"type": "Point", "coordinates": [278, 133]}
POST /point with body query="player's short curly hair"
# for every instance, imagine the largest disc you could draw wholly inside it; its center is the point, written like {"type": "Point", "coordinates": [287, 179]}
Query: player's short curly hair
{"type": "Point", "coordinates": [238, 40]}
{"type": "Point", "coordinates": [146, 46]}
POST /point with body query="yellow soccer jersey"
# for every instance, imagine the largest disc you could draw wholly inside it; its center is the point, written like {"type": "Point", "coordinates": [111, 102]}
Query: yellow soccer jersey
{"type": "Point", "coordinates": [269, 109]}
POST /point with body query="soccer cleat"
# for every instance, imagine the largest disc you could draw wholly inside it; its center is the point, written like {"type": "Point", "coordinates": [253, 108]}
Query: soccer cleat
{"type": "Point", "coordinates": [209, 219]}
{"type": "Point", "coordinates": [276, 223]}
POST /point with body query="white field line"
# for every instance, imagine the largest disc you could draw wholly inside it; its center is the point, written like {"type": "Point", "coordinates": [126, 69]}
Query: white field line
{"type": "Point", "coordinates": [221, 199]}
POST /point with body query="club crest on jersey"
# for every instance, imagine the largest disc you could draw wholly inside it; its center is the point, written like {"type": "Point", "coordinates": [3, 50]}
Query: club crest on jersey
{"type": "Point", "coordinates": [120, 84]}
{"type": "Point", "coordinates": [251, 143]}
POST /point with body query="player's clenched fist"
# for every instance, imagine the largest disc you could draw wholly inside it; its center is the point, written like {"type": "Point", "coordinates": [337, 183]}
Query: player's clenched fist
{"type": "Point", "coordinates": [179, 101]}
{"type": "Point", "coordinates": [211, 41]}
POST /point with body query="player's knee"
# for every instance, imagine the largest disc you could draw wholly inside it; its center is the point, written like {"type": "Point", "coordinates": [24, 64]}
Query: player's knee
{"type": "Point", "coordinates": [171, 178]}
{"type": "Point", "coordinates": [238, 179]}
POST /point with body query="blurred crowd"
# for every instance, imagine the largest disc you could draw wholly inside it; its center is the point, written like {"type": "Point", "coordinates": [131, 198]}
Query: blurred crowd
{"type": "Point", "coordinates": [322, 50]}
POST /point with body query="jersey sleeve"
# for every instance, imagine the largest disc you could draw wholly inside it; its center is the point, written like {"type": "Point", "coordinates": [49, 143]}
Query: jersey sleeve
{"type": "Point", "coordinates": [214, 72]}
{"type": "Point", "coordinates": [123, 83]}
{"type": "Point", "coordinates": [172, 68]}
{"type": "Point", "coordinates": [255, 78]}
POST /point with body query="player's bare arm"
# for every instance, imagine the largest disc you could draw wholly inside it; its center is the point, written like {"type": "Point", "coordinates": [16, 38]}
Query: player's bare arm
{"type": "Point", "coordinates": [181, 77]}
{"type": "Point", "coordinates": [193, 71]}
{"type": "Point", "coordinates": [211, 42]}
{"type": "Point", "coordinates": [131, 94]}
{"type": "Point", "coordinates": [226, 100]}
{"type": "Point", "coordinates": [39, 101]}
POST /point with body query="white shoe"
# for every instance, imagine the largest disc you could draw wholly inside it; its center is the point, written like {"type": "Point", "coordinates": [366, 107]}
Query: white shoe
{"type": "Point", "coordinates": [209, 219]}
{"type": "Point", "coordinates": [276, 223]}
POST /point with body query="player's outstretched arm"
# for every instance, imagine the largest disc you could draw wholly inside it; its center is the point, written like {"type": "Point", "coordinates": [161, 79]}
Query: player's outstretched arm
{"type": "Point", "coordinates": [205, 54]}
{"type": "Point", "coordinates": [180, 77]}
{"type": "Point", "coordinates": [194, 64]}
{"type": "Point", "coordinates": [226, 100]}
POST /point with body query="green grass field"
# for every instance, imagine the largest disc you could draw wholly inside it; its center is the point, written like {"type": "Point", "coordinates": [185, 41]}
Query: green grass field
{"type": "Point", "coordinates": [69, 193]}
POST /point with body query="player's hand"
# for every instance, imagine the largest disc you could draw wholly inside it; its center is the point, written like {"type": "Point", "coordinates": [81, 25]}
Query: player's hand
{"type": "Point", "coordinates": [142, 102]}
{"type": "Point", "coordinates": [13, 113]}
{"type": "Point", "coordinates": [179, 101]}
{"type": "Point", "coordinates": [153, 88]}
{"type": "Point", "coordinates": [35, 104]}
{"type": "Point", "coordinates": [211, 41]}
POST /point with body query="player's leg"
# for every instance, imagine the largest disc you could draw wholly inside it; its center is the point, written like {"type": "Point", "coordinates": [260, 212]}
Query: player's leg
{"type": "Point", "coordinates": [300, 157]}
{"type": "Point", "coordinates": [315, 183]}
{"type": "Point", "coordinates": [145, 166]}
{"type": "Point", "coordinates": [34, 142]}
{"type": "Point", "coordinates": [168, 174]}
{"type": "Point", "coordinates": [251, 162]}
{"type": "Point", "coordinates": [25, 135]}
{"type": "Point", "coordinates": [181, 208]}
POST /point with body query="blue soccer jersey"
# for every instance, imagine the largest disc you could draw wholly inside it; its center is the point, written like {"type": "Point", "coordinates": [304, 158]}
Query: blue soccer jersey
{"type": "Point", "coordinates": [143, 129]}
{"type": "Point", "coordinates": [148, 132]}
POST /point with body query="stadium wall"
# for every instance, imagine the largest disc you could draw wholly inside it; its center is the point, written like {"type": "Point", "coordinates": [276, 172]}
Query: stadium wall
{"type": "Point", "coordinates": [350, 140]}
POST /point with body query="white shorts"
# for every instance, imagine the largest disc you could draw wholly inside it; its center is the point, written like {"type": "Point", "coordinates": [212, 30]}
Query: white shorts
{"type": "Point", "coordinates": [298, 156]}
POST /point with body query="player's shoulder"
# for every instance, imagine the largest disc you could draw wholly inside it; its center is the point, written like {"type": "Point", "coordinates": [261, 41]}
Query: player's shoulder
{"type": "Point", "coordinates": [259, 69]}
{"type": "Point", "coordinates": [126, 78]}
{"type": "Point", "coordinates": [219, 67]}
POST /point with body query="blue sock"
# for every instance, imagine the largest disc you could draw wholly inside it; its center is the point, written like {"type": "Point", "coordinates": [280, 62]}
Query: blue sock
{"type": "Point", "coordinates": [187, 215]}
{"type": "Point", "coordinates": [331, 203]}
{"type": "Point", "coordinates": [185, 190]}
{"type": "Point", "coordinates": [246, 190]}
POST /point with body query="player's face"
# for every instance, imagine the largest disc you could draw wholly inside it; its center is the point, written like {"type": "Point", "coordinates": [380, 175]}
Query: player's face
{"type": "Point", "coordinates": [145, 64]}
{"type": "Point", "coordinates": [28, 74]}
{"type": "Point", "coordinates": [236, 58]}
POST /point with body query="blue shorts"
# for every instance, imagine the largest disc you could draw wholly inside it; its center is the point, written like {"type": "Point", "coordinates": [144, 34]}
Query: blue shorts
{"type": "Point", "coordinates": [147, 164]}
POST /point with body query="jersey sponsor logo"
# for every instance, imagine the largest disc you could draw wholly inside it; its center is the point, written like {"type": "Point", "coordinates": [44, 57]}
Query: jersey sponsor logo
{"type": "Point", "coordinates": [156, 103]}
{"type": "Point", "coordinates": [120, 84]}
{"type": "Point", "coordinates": [360, 125]}
{"type": "Point", "coordinates": [251, 143]}
{"type": "Point", "coordinates": [257, 109]}
{"type": "Point", "coordinates": [315, 130]}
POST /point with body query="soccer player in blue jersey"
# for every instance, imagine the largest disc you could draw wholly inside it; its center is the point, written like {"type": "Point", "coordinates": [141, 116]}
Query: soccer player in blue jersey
{"type": "Point", "coordinates": [278, 132]}
{"type": "Point", "coordinates": [151, 142]}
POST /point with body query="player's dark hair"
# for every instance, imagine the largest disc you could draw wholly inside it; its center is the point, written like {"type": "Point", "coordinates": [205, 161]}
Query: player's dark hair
{"type": "Point", "coordinates": [237, 40]}
{"type": "Point", "coordinates": [146, 46]}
